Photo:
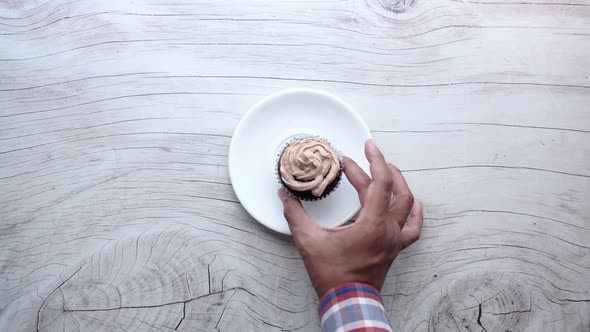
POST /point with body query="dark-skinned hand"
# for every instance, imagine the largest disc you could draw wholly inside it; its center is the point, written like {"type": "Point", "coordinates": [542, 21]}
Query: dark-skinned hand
{"type": "Point", "coordinates": [388, 222]}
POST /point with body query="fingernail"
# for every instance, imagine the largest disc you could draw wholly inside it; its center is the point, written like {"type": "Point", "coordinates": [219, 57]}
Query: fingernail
{"type": "Point", "coordinates": [341, 154]}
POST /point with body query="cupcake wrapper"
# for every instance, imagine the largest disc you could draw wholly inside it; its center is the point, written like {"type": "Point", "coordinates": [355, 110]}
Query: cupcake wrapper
{"type": "Point", "coordinates": [296, 194]}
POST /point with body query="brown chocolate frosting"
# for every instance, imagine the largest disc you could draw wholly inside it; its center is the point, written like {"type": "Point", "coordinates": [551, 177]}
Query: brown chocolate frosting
{"type": "Point", "coordinates": [309, 165]}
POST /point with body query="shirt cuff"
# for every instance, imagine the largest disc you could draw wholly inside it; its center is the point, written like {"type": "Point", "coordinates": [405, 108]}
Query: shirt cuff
{"type": "Point", "coordinates": [353, 306]}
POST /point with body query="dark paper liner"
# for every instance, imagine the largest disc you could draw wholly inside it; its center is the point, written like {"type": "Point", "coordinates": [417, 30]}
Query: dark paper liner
{"type": "Point", "coordinates": [307, 195]}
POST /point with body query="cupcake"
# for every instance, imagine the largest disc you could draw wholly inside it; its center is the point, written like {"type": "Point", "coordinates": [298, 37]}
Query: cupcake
{"type": "Point", "coordinates": [309, 168]}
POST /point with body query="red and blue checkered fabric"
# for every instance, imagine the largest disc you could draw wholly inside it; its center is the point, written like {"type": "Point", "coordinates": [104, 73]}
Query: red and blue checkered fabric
{"type": "Point", "coordinates": [353, 306]}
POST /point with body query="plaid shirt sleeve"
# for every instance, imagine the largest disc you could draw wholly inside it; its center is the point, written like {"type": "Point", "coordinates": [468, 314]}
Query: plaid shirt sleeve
{"type": "Point", "coordinates": [353, 306]}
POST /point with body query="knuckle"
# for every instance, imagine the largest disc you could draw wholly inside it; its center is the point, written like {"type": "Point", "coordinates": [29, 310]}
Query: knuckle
{"type": "Point", "coordinates": [377, 259]}
{"type": "Point", "coordinates": [410, 199]}
{"type": "Point", "coordinates": [394, 170]}
{"type": "Point", "coordinates": [407, 199]}
{"type": "Point", "coordinates": [388, 181]}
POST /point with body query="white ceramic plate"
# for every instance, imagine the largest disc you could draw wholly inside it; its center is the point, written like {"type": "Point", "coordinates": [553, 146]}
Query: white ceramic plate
{"type": "Point", "coordinates": [267, 126]}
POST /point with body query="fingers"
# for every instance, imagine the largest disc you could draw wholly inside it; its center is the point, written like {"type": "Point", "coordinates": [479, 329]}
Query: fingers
{"type": "Point", "coordinates": [357, 177]}
{"type": "Point", "coordinates": [411, 231]}
{"type": "Point", "coordinates": [379, 171]}
{"type": "Point", "coordinates": [376, 202]}
{"type": "Point", "coordinates": [300, 223]}
{"type": "Point", "coordinates": [403, 200]}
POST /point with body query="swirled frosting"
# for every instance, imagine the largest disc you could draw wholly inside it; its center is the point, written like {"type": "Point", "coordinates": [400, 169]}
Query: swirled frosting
{"type": "Point", "coordinates": [309, 165]}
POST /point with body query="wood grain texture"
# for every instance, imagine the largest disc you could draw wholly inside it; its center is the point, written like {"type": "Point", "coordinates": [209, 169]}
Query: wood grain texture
{"type": "Point", "coordinates": [115, 118]}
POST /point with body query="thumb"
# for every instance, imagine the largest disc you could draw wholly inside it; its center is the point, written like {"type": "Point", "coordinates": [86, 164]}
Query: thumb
{"type": "Point", "coordinates": [300, 223]}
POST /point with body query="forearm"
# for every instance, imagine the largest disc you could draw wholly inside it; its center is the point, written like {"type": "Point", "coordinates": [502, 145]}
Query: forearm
{"type": "Point", "coordinates": [353, 307]}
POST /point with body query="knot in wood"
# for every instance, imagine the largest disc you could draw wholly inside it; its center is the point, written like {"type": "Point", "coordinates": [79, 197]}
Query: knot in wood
{"type": "Point", "coordinates": [397, 6]}
{"type": "Point", "coordinates": [488, 302]}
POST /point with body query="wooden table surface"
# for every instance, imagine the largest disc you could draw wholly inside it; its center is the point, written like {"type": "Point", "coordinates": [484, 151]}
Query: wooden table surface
{"type": "Point", "coordinates": [116, 208]}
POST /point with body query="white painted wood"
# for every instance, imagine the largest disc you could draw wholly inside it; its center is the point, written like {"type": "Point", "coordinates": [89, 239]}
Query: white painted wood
{"type": "Point", "coordinates": [115, 119]}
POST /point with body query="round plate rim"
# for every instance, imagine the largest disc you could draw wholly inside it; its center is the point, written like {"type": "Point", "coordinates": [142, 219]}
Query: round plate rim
{"type": "Point", "coordinates": [258, 105]}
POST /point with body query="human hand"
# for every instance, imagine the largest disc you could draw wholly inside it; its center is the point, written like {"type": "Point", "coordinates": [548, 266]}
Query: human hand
{"type": "Point", "coordinates": [362, 251]}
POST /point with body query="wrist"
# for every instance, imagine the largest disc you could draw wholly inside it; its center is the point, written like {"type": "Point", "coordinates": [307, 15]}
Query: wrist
{"type": "Point", "coordinates": [324, 288]}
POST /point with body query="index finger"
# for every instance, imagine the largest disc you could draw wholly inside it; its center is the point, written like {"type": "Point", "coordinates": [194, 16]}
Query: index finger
{"type": "Point", "coordinates": [357, 177]}
{"type": "Point", "coordinates": [376, 203]}
{"type": "Point", "coordinates": [411, 232]}
{"type": "Point", "coordinates": [380, 173]}
{"type": "Point", "coordinates": [403, 200]}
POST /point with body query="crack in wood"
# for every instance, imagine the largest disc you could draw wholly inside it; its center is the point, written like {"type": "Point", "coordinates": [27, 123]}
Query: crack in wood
{"type": "Point", "coordinates": [223, 311]}
{"type": "Point", "coordinates": [188, 286]}
{"type": "Point", "coordinates": [508, 313]}
{"type": "Point", "coordinates": [526, 168]}
{"type": "Point", "coordinates": [209, 276]}
{"type": "Point", "coordinates": [512, 125]}
{"type": "Point", "coordinates": [163, 304]}
{"type": "Point", "coordinates": [183, 316]}
{"type": "Point", "coordinates": [479, 318]}
{"type": "Point", "coordinates": [52, 292]}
